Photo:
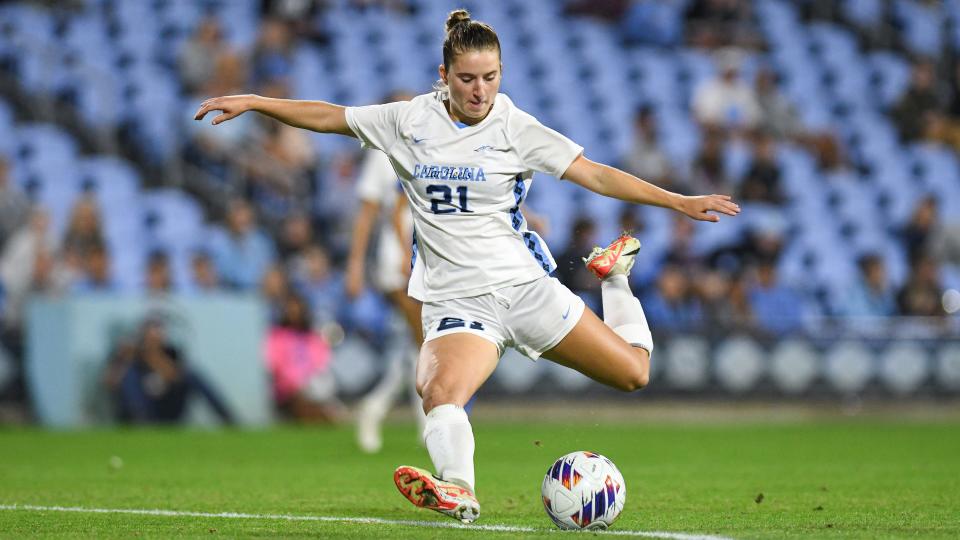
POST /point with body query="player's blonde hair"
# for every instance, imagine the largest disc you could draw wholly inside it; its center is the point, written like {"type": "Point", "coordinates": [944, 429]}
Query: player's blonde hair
{"type": "Point", "coordinates": [464, 34]}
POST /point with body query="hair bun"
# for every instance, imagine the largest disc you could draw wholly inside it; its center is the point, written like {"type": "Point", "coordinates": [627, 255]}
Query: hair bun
{"type": "Point", "coordinates": [457, 16]}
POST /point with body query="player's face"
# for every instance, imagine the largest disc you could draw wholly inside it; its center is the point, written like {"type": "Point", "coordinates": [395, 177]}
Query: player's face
{"type": "Point", "coordinates": [473, 80]}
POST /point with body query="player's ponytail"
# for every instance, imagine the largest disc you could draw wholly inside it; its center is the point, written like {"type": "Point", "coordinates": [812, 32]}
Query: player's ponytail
{"type": "Point", "coordinates": [465, 34]}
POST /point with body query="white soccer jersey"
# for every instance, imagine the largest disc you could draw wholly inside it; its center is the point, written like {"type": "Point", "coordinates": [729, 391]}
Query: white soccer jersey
{"type": "Point", "coordinates": [465, 185]}
{"type": "Point", "coordinates": [378, 183]}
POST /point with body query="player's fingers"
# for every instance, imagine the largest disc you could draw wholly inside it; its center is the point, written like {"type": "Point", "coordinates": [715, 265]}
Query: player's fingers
{"type": "Point", "coordinates": [725, 206]}
{"type": "Point", "coordinates": [223, 117]}
{"type": "Point", "coordinates": [728, 209]}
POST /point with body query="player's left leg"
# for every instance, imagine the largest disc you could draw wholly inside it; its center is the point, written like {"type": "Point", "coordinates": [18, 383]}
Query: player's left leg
{"type": "Point", "coordinates": [594, 349]}
{"type": "Point", "coordinates": [615, 351]}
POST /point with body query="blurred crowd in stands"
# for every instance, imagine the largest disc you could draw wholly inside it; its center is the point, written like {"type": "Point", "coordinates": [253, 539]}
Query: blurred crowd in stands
{"type": "Point", "coordinates": [287, 222]}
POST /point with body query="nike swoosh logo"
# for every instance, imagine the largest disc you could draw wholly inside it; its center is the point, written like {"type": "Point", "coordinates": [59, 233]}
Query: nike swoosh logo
{"type": "Point", "coordinates": [565, 315]}
{"type": "Point", "coordinates": [416, 140]}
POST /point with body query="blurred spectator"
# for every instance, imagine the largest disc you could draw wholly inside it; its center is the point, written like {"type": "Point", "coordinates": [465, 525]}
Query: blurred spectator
{"type": "Point", "coordinates": [918, 232]}
{"type": "Point", "coordinates": [921, 98]}
{"type": "Point", "coordinates": [777, 308]}
{"type": "Point", "coordinates": [242, 253]}
{"type": "Point", "coordinates": [272, 54]}
{"type": "Point", "coordinates": [29, 265]}
{"type": "Point", "coordinates": [150, 381]}
{"type": "Point", "coordinates": [200, 54]}
{"type": "Point", "coordinates": [96, 276]}
{"type": "Point", "coordinates": [607, 10]}
{"type": "Point", "coordinates": [158, 279]}
{"type": "Point", "coordinates": [719, 23]}
{"type": "Point", "coordinates": [726, 101]}
{"type": "Point", "coordinates": [777, 115]}
{"type": "Point", "coordinates": [938, 128]}
{"type": "Point", "coordinates": [645, 159]}
{"type": "Point", "coordinates": [320, 284]}
{"type": "Point", "coordinates": [570, 268]}
{"type": "Point", "coordinates": [872, 295]}
{"type": "Point", "coordinates": [671, 307]}
{"type": "Point", "coordinates": [299, 361]}
{"type": "Point", "coordinates": [830, 155]}
{"type": "Point", "coordinates": [279, 166]}
{"type": "Point", "coordinates": [83, 230]}
{"type": "Point", "coordinates": [304, 17]}
{"type": "Point", "coordinates": [630, 219]}
{"type": "Point", "coordinates": [295, 236]}
{"type": "Point", "coordinates": [762, 181]}
{"type": "Point", "coordinates": [214, 148]}
{"type": "Point", "coordinates": [708, 174]}
{"type": "Point", "coordinates": [921, 295]}
{"type": "Point", "coordinates": [722, 301]}
{"type": "Point", "coordinates": [203, 273]}
{"type": "Point", "coordinates": [14, 205]}
{"type": "Point", "coordinates": [274, 290]}
{"type": "Point", "coordinates": [680, 250]}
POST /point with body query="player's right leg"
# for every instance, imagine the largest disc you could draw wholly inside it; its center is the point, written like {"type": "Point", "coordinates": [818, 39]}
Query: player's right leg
{"type": "Point", "coordinates": [450, 370]}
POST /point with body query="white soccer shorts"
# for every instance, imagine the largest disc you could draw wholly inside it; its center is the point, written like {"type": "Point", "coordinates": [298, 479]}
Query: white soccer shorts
{"type": "Point", "coordinates": [531, 317]}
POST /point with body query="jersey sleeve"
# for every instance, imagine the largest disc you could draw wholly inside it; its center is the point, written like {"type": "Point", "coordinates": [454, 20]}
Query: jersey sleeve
{"type": "Point", "coordinates": [377, 178]}
{"type": "Point", "coordinates": [541, 148]}
{"type": "Point", "coordinates": [377, 126]}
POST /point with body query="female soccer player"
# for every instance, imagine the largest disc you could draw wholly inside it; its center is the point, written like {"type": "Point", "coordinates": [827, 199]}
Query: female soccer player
{"type": "Point", "coordinates": [465, 156]}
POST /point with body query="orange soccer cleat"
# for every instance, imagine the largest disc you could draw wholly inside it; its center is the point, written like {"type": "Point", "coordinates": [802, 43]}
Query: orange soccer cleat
{"type": "Point", "coordinates": [615, 259]}
{"type": "Point", "coordinates": [427, 491]}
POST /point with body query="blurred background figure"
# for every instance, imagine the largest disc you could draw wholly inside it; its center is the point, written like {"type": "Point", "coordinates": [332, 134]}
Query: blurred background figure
{"type": "Point", "coordinates": [299, 362]}
{"type": "Point", "coordinates": [243, 252]}
{"type": "Point", "coordinates": [151, 381]}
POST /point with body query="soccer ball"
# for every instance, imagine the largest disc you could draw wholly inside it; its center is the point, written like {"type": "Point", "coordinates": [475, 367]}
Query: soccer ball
{"type": "Point", "coordinates": [583, 490]}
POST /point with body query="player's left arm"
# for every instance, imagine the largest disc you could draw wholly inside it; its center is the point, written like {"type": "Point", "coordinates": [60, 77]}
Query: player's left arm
{"type": "Point", "coordinates": [612, 182]}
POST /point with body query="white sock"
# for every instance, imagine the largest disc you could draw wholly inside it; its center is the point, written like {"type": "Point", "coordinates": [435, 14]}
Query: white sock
{"type": "Point", "coordinates": [449, 439]}
{"type": "Point", "coordinates": [623, 313]}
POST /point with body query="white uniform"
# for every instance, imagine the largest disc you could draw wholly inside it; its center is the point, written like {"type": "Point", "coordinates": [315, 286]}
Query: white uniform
{"type": "Point", "coordinates": [465, 186]}
{"type": "Point", "coordinates": [378, 184]}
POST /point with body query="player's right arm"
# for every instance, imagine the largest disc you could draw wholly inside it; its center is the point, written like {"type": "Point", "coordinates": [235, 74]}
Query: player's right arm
{"type": "Point", "coordinates": [362, 227]}
{"type": "Point", "coordinates": [318, 116]}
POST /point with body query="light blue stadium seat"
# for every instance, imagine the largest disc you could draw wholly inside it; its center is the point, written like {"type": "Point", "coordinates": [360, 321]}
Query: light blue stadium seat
{"type": "Point", "coordinates": [114, 179]}
{"type": "Point", "coordinates": [27, 21]}
{"type": "Point", "coordinates": [892, 76]}
{"type": "Point", "coordinates": [921, 26]}
{"type": "Point", "coordinates": [937, 165]}
{"type": "Point", "coordinates": [863, 13]}
{"type": "Point", "coordinates": [837, 46]}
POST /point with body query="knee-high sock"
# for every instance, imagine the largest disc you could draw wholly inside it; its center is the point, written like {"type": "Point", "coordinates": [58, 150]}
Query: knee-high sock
{"type": "Point", "coordinates": [449, 439]}
{"type": "Point", "coordinates": [623, 313]}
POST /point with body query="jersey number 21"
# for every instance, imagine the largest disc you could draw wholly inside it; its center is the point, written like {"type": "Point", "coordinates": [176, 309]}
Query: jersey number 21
{"type": "Point", "coordinates": [445, 199]}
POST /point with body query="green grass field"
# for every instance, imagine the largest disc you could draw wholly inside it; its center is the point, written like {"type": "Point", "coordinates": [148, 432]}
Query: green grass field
{"type": "Point", "coordinates": [827, 479]}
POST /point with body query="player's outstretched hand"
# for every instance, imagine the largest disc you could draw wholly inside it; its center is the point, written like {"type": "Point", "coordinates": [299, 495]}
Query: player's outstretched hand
{"type": "Point", "coordinates": [700, 207]}
{"type": "Point", "coordinates": [232, 107]}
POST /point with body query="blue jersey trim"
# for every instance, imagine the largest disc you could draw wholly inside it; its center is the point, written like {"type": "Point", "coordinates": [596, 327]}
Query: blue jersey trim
{"type": "Point", "coordinates": [460, 125]}
{"type": "Point", "coordinates": [517, 220]}
{"type": "Point", "coordinates": [413, 249]}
